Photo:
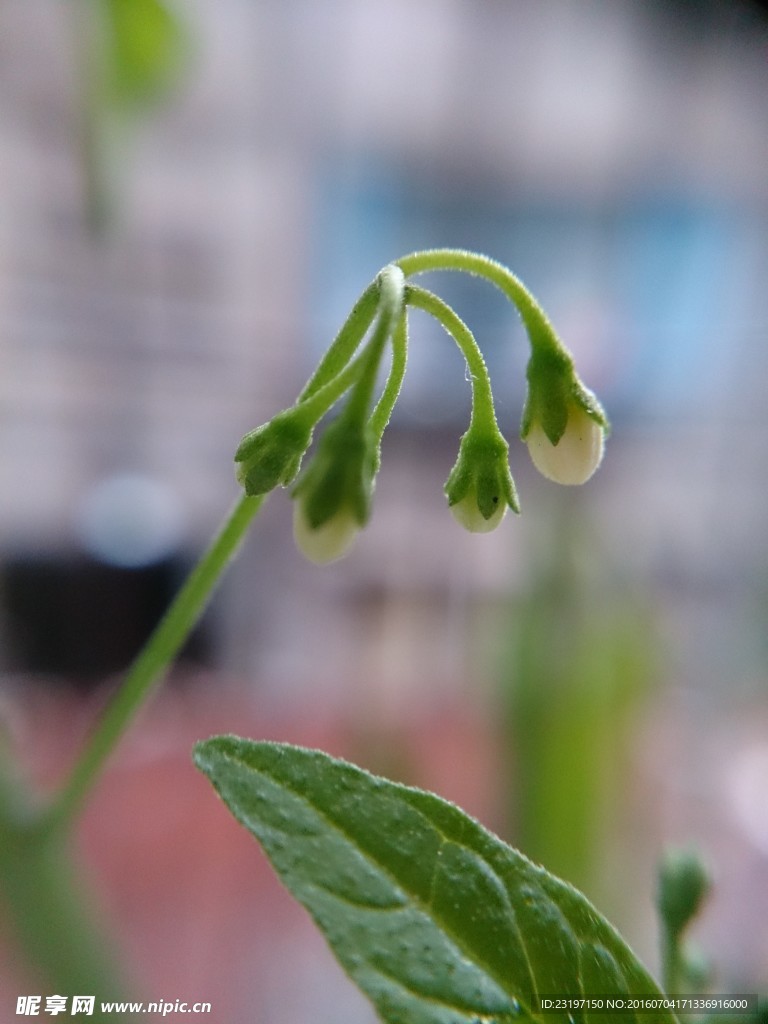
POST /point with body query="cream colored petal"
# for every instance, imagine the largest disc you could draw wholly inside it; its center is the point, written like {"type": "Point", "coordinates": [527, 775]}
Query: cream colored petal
{"type": "Point", "coordinates": [471, 518]}
{"type": "Point", "coordinates": [328, 542]}
{"type": "Point", "coordinates": [577, 454]}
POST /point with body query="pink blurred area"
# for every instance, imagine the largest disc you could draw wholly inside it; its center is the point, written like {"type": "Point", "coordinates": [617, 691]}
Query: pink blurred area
{"type": "Point", "coordinates": [182, 891]}
{"type": "Point", "coordinates": [193, 911]}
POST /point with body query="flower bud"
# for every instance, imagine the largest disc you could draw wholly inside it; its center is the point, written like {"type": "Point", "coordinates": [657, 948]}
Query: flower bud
{"type": "Point", "coordinates": [480, 487]}
{"type": "Point", "coordinates": [683, 884]}
{"type": "Point", "coordinates": [326, 543]}
{"type": "Point", "coordinates": [563, 423]}
{"type": "Point", "coordinates": [467, 514]}
{"type": "Point", "coordinates": [333, 496]}
{"type": "Point", "coordinates": [577, 454]}
{"type": "Point", "coordinates": [272, 453]}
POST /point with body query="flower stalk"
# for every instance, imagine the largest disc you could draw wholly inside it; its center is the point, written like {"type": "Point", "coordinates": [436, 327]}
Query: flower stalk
{"type": "Point", "coordinates": [563, 425]}
{"type": "Point", "coordinates": [480, 486]}
{"type": "Point", "coordinates": [159, 651]}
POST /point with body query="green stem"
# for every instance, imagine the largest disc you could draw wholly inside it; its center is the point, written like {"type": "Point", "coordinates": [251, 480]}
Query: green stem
{"type": "Point", "coordinates": [49, 911]}
{"type": "Point", "coordinates": [161, 648]}
{"type": "Point", "coordinates": [391, 298]}
{"type": "Point", "coordinates": [381, 414]}
{"type": "Point", "coordinates": [671, 961]}
{"type": "Point", "coordinates": [317, 404]}
{"type": "Point", "coordinates": [45, 903]}
{"type": "Point", "coordinates": [483, 414]}
{"type": "Point", "coordinates": [335, 373]}
{"type": "Point", "coordinates": [345, 343]}
{"type": "Point", "coordinates": [540, 331]}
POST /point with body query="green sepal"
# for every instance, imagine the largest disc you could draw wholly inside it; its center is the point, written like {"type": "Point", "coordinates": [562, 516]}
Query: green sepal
{"type": "Point", "coordinates": [550, 377]}
{"type": "Point", "coordinates": [340, 475]}
{"type": "Point", "coordinates": [482, 468]}
{"type": "Point", "coordinates": [590, 403]}
{"type": "Point", "coordinates": [271, 454]}
{"type": "Point", "coordinates": [554, 386]}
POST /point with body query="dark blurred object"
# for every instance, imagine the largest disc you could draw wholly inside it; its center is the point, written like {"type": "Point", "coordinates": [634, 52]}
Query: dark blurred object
{"type": "Point", "coordinates": [713, 14]}
{"type": "Point", "coordinates": [71, 615]}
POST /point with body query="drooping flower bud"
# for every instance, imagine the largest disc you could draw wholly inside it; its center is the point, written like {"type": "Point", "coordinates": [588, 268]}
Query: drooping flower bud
{"type": "Point", "coordinates": [272, 453]}
{"type": "Point", "coordinates": [563, 425]}
{"type": "Point", "coordinates": [333, 497]}
{"type": "Point", "coordinates": [480, 487]}
{"type": "Point", "coordinates": [326, 543]}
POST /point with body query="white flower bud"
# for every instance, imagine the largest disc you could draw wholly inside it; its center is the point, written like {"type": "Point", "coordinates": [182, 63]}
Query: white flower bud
{"type": "Point", "coordinates": [327, 542]}
{"type": "Point", "coordinates": [467, 513]}
{"type": "Point", "coordinates": [576, 455]}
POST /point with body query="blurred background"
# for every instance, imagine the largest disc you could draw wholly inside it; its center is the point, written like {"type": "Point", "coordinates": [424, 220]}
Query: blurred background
{"type": "Point", "coordinates": [191, 199]}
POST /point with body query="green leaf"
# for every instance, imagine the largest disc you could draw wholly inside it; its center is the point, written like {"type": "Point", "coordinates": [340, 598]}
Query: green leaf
{"type": "Point", "coordinates": [437, 920]}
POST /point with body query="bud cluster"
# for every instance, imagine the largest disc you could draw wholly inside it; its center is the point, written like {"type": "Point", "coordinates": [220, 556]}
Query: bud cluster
{"type": "Point", "coordinates": [563, 424]}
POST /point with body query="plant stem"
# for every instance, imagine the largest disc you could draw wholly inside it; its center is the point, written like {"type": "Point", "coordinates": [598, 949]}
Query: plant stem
{"type": "Point", "coordinates": [671, 961]}
{"type": "Point", "coordinates": [381, 414]}
{"type": "Point", "coordinates": [390, 308]}
{"type": "Point", "coordinates": [483, 414]}
{"type": "Point", "coordinates": [540, 331]}
{"type": "Point", "coordinates": [161, 648]}
{"type": "Point", "coordinates": [336, 372]}
{"type": "Point", "coordinates": [52, 919]}
{"type": "Point", "coordinates": [319, 402]}
{"type": "Point", "coordinates": [345, 343]}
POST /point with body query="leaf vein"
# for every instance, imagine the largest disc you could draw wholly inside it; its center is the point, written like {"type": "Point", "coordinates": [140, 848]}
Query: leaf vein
{"type": "Point", "coordinates": [412, 897]}
{"type": "Point", "coordinates": [357, 905]}
{"type": "Point", "coordinates": [434, 1000]}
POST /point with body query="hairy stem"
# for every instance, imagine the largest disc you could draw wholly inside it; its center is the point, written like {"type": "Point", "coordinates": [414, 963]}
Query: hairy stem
{"type": "Point", "coordinates": [159, 651]}
{"type": "Point", "coordinates": [391, 297]}
{"type": "Point", "coordinates": [345, 343]}
{"type": "Point", "coordinates": [318, 403]}
{"type": "Point", "coordinates": [483, 415]}
{"type": "Point", "coordinates": [381, 414]}
{"type": "Point", "coordinates": [540, 331]}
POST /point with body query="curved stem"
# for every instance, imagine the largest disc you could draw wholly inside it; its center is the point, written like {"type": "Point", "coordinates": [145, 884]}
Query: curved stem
{"type": "Point", "coordinates": [391, 299]}
{"type": "Point", "coordinates": [161, 648]}
{"type": "Point", "coordinates": [345, 343]}
{"type": "Point", "coordinates": [540, 331]}
{"type": "Point", "coordinates": [317, 404]}
{"type": "Point", "coordinates": [483, 413]}
{"type": "Point", "coordinates": [381, 414]}
{"type": "Point", "coordinates": [335, 373]}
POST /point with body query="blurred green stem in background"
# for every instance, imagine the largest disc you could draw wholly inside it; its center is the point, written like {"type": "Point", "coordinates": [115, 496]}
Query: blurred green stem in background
{"type": "Point", "coordinates": [578, 660]}
{"type": "Point", "coordinates": [38, 885]}
{"type": "Point", "coordinates": [130, 54]}
{"type": "Point", "coordinates": [51, 913]}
